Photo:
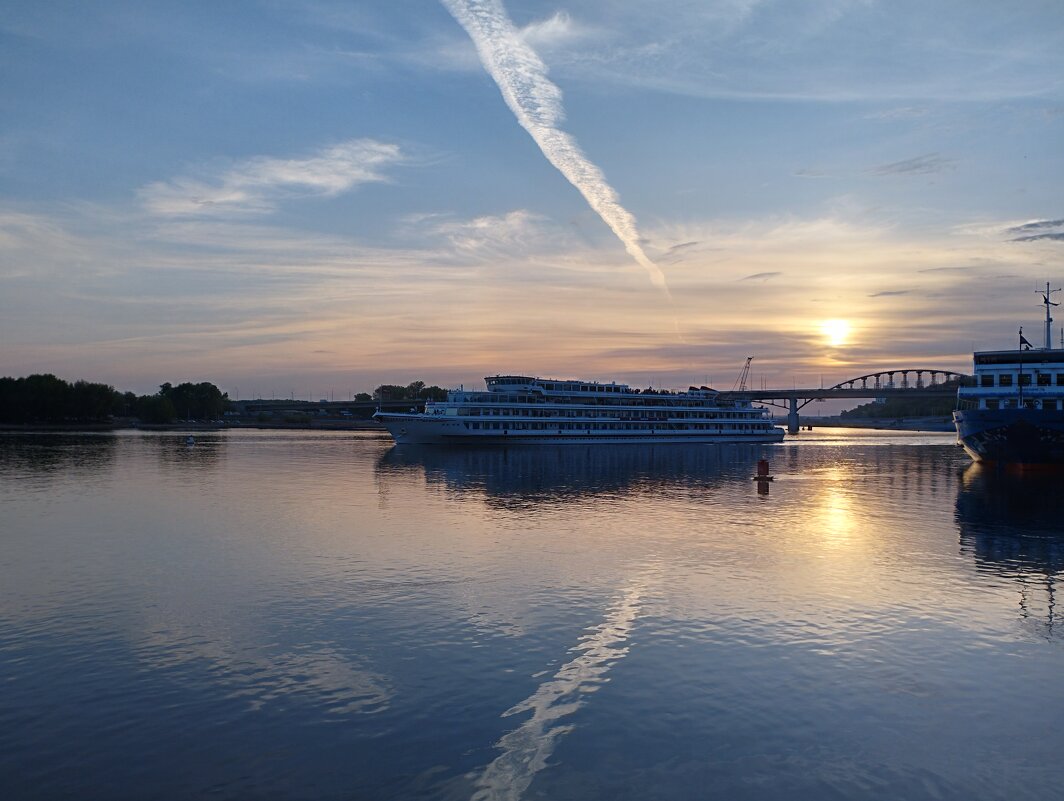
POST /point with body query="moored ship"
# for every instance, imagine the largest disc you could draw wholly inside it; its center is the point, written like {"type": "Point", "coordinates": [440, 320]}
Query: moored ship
{"type": "Point", "coordinates": [1013, 413]}
{"type": "Point", "coordinates": [528, 410]}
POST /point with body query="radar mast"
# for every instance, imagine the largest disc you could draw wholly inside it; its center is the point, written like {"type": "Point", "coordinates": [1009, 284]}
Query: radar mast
{"type": "Point", "coordinates": [1049, 320]}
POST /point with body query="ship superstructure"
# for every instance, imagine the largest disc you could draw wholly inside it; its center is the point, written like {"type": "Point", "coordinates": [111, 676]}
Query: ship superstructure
{"type": "Point", "coordinates": [528, 410]}
{"type": "Point", "coordinates": [1013, 413]}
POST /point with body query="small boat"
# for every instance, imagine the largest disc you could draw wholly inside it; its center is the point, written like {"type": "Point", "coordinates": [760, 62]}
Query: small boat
{"type": "Point", "coordinates": [190, 440]}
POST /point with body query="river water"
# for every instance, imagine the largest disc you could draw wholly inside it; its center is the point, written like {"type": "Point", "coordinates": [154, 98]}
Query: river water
{"type": "Point", "coordinates": [288, 615]}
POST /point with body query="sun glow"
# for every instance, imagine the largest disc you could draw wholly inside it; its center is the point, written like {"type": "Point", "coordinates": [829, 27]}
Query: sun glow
{"type": "Point", "coordinates": [836, 332]}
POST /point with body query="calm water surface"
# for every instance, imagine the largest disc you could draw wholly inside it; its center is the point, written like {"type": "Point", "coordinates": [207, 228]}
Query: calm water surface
{"type": "Point", "coordinates": [296, 616]}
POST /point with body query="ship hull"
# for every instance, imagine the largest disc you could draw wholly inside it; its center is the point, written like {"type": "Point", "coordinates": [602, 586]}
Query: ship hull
{"type": "Point", "coordinates": [421, 429]}
{"type": "Point", "coordinates": [1012, 436]}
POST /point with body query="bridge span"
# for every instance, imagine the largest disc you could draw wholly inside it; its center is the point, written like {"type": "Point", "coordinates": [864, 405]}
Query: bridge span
{"type": "Point", "coordinates": [883, 384]}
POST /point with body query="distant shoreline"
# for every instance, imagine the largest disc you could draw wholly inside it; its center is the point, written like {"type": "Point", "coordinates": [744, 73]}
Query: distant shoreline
{"type": "Point", "coordinates": [934, 424]}
{"type": "Point", "coordinates": [940, 424]}
{"type": "Point", "coordinates": [71, 428]}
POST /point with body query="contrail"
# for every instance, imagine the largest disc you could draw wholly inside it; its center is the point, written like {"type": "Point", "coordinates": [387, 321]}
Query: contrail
{"type": "Point", "coordinates": [537, 103]}
{"type": "Point", "coordinates": [525, 750]}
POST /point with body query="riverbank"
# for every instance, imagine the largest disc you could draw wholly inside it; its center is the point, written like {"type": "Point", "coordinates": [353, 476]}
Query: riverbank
{"type": "Point", "coordinates": [887, 424]}
{"type": "Point", "coordinates": [313, 425]}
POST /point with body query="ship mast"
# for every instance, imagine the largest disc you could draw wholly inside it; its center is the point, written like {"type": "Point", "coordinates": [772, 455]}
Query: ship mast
{"type": "Point", "coordinates": [1049, 320]}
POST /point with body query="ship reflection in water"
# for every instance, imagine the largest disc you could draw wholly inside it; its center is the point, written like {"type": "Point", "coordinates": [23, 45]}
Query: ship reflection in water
{"type": "Point", "coordinates": [1013, 526]}
{"type": "Point", "coordinates": [527, 476]}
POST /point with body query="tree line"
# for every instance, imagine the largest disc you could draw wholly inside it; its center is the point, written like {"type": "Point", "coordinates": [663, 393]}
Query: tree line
{"type": "Point", "coordinates": [906, 407]}
{"type": "Point", "coordinates": [415, 390]}
{"type": "Point", "coordinates": [43, 398]}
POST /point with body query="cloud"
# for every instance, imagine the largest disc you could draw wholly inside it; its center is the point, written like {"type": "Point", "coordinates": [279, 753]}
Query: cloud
{"type": "Point", "coordinates": [921, 165]}
{"type": "Point", "coordinates": [512, 232]}
{"type": "Point", "coordinates": [1058, 237]}
{"type": "Point", "coordinates": [1037, 230]}
{"type": "Point", "coordinates": [1037, 225]}
{"type": "Point", "coordinates": [761, 276]}
{"type": "Point", "coordinates": [900, 113]}
{"type": "Point", "coordinates": [257, 185]}
{"type": "Point", "coordinates": [537, 104]}
{"type": "Point", "coordinates": [889, 293]}
{"type": "Point", "coordinates": [554, 31]}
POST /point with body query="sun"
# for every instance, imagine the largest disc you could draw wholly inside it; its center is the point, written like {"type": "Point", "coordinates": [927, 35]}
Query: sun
{"type": "Point", "coordinates": [836, 332]}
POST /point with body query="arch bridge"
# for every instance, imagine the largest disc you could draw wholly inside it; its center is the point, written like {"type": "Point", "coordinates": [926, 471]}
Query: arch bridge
{"type": "Point", "coordinates": [907, 382]}
{"type": "Point", "coordinates": [935, 375]}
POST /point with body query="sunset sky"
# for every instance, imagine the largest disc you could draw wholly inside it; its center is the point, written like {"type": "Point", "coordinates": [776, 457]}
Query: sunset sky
{"type": "Point", "coordinates": [318, 197]}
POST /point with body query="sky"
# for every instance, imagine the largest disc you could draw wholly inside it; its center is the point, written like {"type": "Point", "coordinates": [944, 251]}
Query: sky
{"type": "Point", "coordinates": [313, 198]}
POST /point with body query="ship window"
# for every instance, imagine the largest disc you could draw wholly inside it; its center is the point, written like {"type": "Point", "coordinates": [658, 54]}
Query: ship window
{"type": "Point", "coordinates": [1025, 379]}
{"type": "Point", "coordinates": [1043, 379]}
{"type": "Point", "coordinates": [1060, 379]}
{"type": "Point", "coordinates": [1005, 380]}
{"type": "Point", "coordinates": [988, 381]}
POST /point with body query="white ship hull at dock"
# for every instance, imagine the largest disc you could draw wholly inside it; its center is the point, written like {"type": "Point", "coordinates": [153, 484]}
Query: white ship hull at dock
{"type": "Point", "coordinates": [518, 410]}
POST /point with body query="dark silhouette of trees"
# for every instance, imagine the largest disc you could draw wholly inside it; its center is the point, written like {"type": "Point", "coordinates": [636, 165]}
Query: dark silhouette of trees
{"type": "Point", "coordinates": [154, 409]}
{"type": "Point", "coordinates": [43, 398]}
{"type": "Point", "coordinates": [47, 399]}
{"type": "Point", "coordinates": [415, 390]}
{"type": "Point", "coordinates": [203, 401]}
{"type": "Point", "coordinates": [906, 407]}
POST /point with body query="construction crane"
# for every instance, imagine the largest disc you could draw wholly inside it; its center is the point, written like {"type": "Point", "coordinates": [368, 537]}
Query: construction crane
{"type": "Point", "coordinates": [740, 383]}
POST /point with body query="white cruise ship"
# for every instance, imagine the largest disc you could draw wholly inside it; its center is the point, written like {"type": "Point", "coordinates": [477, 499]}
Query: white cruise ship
{"type": "Point", "coordinates": [525, 410]}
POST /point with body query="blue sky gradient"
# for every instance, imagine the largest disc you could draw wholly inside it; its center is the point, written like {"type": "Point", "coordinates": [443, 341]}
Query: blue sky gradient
{"type": "Point", "coordinates": [318, 197]}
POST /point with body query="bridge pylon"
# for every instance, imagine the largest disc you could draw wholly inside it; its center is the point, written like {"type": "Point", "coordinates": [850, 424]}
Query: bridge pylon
{"type": "Point", "coordinates": [792, 415]}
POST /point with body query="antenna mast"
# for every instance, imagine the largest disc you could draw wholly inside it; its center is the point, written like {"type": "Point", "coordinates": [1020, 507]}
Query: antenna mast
{"type": "Point", "coordinates": [1049, 320]}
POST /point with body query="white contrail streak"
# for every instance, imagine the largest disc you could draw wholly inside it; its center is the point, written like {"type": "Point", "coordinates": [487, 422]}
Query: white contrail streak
{"type": "Point", "coordinates": [537, 103]}
{"type": "Point", "coordinates": [525, 750]}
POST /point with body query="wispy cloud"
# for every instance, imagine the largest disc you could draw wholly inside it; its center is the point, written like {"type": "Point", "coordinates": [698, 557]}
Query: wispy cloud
{"type": "Point", "coordinates": [761, 276]}
{"type": "Point", "coordinates": [258, 184]}
{"type": "Point", "coordinates": [889, 293]}
{"type": "Point", "coordinates": [897, 113]}
{"type": "Point", "coordinates": [921, 165]}
{"type": "Point", "coordinates": [1038, 230]}
{"type": "Point", "coordinates": [512, 232]}
{"type": "Point", "coordinates": [537, 104]}
{"type": "Point", "coordinates": [947, 270]}
{"type": "Point", "coordinates": [1057, 236]}
{"type": "Point", "coordinates": [556, 30]}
